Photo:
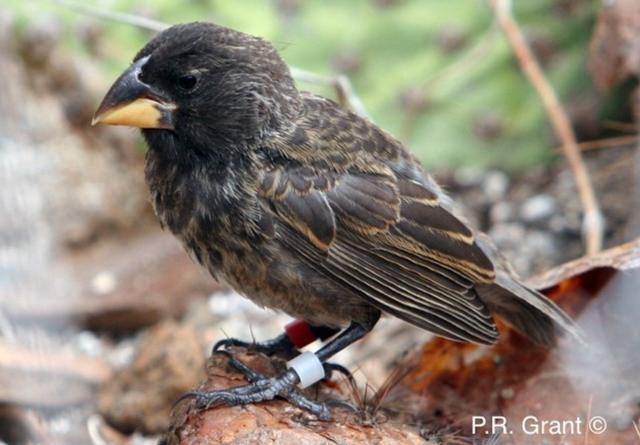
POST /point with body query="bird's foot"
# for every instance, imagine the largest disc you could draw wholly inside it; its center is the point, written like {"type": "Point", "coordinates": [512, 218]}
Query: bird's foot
{"type": "Point", "coordinates": [281, 345]}
{"type": "Point", "coordinates": [262, 388]}
{"type": "Point", "coordinates": [276, 346]}
{"type": "Point", "coordinates": [252, 376]}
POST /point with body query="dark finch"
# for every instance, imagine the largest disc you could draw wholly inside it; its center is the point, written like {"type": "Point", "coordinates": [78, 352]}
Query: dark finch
{"type": "Point", "coordinates": [305, 207]}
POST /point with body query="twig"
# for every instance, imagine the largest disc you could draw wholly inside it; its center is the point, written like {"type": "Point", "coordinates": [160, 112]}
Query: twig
{"type": "Point", "coordinates": [592, 224]}
{"type": "Point", "coordinates": [393, 379]}
{"type": "Point", "coordinates": [587, 430]}
{"type": "Point", "coordinates": [120, 17]}
{"type": "Point", "coordinates": [636, 427]}
{"type": "Point", "coordinates": [346, 96]}
{"type": "Point", "coordinates": [341, 84]}
{"type": "Point", "coordinates": [625, 127]}
{"type": "Point", "coordinates": [618, 141]}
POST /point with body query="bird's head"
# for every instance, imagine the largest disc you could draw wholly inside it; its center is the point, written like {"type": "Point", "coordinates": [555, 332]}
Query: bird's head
{"type": "Point", "coordinates": [200, 87]}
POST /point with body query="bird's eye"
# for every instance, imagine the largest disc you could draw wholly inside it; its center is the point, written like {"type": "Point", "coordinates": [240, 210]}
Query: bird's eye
{"type": "Point", "coordinates": [188, 82]}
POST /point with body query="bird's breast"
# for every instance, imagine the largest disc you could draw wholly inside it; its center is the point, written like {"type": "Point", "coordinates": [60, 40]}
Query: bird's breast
{"type": "Point", "coordinates": [213, 216]}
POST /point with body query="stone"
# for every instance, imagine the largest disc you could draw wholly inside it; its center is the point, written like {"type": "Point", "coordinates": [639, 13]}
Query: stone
{"type": "Point", "coordinates": [501, 211]}
{"type": "Point", "coordinates": [538, 208]}
{"type": "Point", "coordinates": [495, 185]}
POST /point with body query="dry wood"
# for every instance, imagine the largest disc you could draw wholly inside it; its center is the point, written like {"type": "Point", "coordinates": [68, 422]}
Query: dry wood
{"type": "Point", "coordinates": [91, 369]}
{"type": "Point", "coordinates": [623, 257]}
{"type": "Point", "coordinates": [613, 142]}
{"type": "Point", "coordinates": [275, 422]}
{"type": "Point", "coordinates": [48, 379]}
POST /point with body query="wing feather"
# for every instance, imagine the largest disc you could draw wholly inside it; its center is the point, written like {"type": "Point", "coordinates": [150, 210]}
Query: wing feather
{"type": "Point", "coordinates": [305, 209]}
{"type": "Point", "coordinates": [353, 204]}
{"type": "Point", "coordinates": [368, 202]}
{"type": "Point", "coordinates": [402, 252]}
{"type": "Point", "coordinates": [387, 297]}
{"type": "Point", "coordinates": [424, 283]}
{"type": "Point", "coordinates": [466, 310]}
{"type": "Point", "coordinates": [375, 228]}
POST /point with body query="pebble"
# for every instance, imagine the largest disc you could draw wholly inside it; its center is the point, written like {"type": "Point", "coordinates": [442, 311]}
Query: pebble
{"type": "Point", "coordinates": [524, 247]}
{"type": "Point", "coordinates": [540, 243]}
{"type": "Point", "coordinates": [122, 354]}
{"type": "Point", "coordinates": [506, 235]}
{"type": "Point", "coordinates": [507, 393]}
{"type": "Point", "coordinates": [538, 208]}
{"type": "Point", "coordinates": [89, 344]}
{"type": "Point", "coordinates": [469, 176]}
{"type": "Point", "coordinates": [501, 211]}
{"type": "Point", "coordinates": [104, 283]}
{"type": "Point", "coordinates": [495, 185]}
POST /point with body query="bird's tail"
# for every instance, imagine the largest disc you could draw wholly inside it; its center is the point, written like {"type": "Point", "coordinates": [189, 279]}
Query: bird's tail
{"type": "Point", "coordinates": [527, 310]}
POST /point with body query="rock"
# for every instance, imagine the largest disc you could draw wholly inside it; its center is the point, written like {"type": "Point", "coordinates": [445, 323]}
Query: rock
{"type": "Point", "coordinates": [540, 243]}
{"type": "Point", "coordinates": [169, 361]}
{"type": "Point", "coordinates": [38, 41]}
{"type": "Point", "coordinates": [468, 176]}
{"type": "Point", "coordinates": [495, 185]}
{"type": "Point", "coordinates": [104, 283]}
{"type": "Point", "coordinates": [538, 208]}
{"type": "Point", "coordinates": [507, 393]}
{"type": "Point", "coordinates": [501, 212]}
{"type": "Point", "coordinates": [506, 235]}
{"type": "Point", "coordinates": [509, 238]}
{"type": "Point", "coordinates": [534, 250]}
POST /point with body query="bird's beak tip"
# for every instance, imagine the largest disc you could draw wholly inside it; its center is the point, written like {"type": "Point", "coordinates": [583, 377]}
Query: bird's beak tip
{"type": "Point", "coordinates": [133, 103]}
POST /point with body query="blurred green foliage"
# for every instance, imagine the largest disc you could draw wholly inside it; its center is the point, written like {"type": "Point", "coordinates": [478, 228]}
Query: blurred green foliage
{"type": "Point", "coordinates": [437, 74]}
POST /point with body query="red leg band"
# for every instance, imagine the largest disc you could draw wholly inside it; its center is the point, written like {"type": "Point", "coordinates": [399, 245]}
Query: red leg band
{"type": "Point", "coordinates": [299, 333]}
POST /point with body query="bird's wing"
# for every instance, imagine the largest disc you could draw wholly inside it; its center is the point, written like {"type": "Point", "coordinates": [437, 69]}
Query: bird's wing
{"type": "Point", "coordinates": [387, 239]}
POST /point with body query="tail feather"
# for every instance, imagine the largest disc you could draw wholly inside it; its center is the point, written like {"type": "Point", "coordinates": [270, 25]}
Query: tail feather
{"type": "Point", "coordinates": [527, 310]}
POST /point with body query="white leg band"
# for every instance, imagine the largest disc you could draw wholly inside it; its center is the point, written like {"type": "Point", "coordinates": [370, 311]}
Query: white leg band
{"type": "Point", "coordinates": [308, 367]}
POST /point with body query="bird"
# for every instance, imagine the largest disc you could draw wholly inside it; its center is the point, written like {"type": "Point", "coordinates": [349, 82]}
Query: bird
{"type": "Point", "coordinates": [306, 207]}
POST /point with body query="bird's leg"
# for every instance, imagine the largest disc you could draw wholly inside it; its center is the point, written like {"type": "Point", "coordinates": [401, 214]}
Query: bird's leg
{"type": "Point", "coordinates": [263, 388]}
{"type": "Point", "coordinates": [297, 334]}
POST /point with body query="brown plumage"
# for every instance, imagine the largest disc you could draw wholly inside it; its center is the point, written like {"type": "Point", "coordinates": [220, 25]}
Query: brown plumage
{"type": "Point", "coordinates": [305, 207]}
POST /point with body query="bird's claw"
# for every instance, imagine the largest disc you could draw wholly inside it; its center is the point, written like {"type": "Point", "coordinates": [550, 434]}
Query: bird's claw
{"type": "Point", "coordinates": [330, 368]}
{"type": "Point", "coordinates": [281, 345]}
{"type": "Point", "coordinates": [260, 389]}
{"type": "Point", "coordinates": [239, 366]}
